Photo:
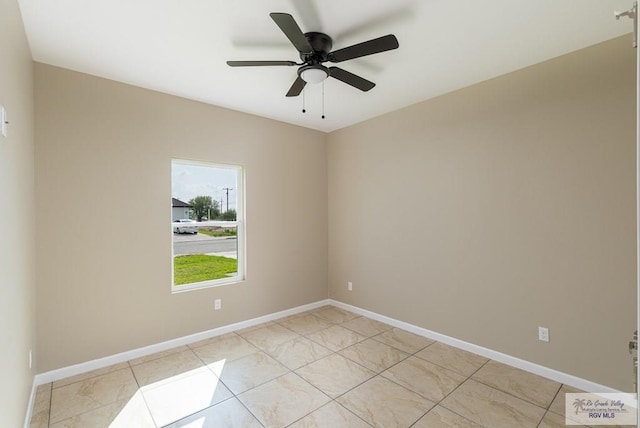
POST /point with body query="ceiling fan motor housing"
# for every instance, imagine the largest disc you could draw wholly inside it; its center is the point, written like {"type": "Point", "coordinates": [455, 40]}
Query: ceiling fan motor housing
{"type": "Point", "coordinates": [321, 44]}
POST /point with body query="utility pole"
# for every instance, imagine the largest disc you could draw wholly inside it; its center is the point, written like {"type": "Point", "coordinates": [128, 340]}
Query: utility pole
{"type": "Point", "coordinates": [227, 189]}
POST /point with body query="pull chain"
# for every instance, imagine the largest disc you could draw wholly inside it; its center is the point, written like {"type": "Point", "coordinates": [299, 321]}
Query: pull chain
{"type": "Point", "coordinates": [304, 101]}
{"type": "Point", "coordinates": [304, 110]}
{"type": "Point", "coordinates": [323, 99]}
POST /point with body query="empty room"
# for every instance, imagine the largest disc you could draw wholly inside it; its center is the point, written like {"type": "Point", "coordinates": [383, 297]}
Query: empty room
{"type": "Point", "coordinates": [383, 213]}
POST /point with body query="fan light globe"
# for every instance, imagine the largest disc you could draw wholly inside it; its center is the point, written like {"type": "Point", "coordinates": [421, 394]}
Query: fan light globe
{"type": "Point", "coordinates": [314, 75]}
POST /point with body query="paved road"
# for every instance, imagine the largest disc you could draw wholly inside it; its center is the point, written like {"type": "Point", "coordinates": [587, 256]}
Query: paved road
{"type": "Point", "coordinates": [199, 244]}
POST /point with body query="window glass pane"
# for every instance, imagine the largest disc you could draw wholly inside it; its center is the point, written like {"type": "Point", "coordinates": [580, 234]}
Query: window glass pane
{"type": "Point", "coordinates": [206, 224]}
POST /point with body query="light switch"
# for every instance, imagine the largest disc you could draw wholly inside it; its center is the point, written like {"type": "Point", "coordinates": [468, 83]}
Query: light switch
{"type": "Point", "coordinates": [3, 121]}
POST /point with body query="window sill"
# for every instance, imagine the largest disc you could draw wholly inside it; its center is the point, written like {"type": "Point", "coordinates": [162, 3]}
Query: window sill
{"type": "Point", "coordinates": [206, 284]}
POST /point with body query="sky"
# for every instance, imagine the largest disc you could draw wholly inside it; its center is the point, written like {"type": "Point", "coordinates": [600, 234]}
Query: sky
{"type": "Point", "coordinates": [190, 179]}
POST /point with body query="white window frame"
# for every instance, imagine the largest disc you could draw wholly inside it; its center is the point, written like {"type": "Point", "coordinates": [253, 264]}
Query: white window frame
{"type": "Point", "coordinates": [239, 225]}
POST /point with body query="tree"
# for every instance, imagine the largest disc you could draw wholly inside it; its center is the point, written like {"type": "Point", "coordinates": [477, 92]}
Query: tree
{"type": "Point", "coordinates": [229, 215]}
{"type": "Point", "coordinates": [204, 206]}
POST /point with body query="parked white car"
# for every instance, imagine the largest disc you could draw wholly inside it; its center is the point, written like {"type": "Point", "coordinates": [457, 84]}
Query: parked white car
{"type": "Point", "coordinates": [189, 226]}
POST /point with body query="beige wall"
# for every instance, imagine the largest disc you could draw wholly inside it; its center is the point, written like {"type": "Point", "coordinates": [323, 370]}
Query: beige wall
{"type": "Point", "coordinates": [480, 214]}
{"type": "Point", "coordinates": [103, 162]}
{"type": "Point", "coordinates": [17, 243]}
{"type": "Point", "coordinates": [502, 207]}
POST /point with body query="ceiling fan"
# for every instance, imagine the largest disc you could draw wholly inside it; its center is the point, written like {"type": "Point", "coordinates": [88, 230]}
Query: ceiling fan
{"type": "Point", "coordinates": [315, 49]}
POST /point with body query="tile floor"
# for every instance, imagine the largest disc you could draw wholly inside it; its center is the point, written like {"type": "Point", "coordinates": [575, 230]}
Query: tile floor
{"type": "Point", "coordinates": [322, 368]}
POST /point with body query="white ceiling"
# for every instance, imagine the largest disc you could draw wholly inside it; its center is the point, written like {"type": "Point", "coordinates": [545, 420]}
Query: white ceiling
{"type": "Point", "coordinates": [180, 47]}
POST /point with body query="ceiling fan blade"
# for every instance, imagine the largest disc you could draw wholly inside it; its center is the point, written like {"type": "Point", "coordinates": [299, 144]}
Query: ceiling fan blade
{"type": "Point", "coordinates": [290, 29]}
{"type": "Point", "coordinates": [351, 79]}
{"type": "Point", "coordinates": [297, 87]}
{"type": "Point", "coordinates": [258, 63]}
{"type": "Point", "coordinates": [373, 46]}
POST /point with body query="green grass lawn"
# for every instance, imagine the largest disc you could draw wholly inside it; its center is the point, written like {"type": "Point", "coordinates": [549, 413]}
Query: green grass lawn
{"type": "Point", "coordinates": [217, 233]}
{"type": "Point", "coordinates": [201, 267]}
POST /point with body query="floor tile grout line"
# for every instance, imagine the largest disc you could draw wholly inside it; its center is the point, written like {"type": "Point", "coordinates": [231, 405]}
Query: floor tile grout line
{"type": "Point", "coordinates": [249, 410]}
{"type": "Point", "coordinates": [129, 367]}
{"type": "Point", "coordinates": [376, 374]}
{"type": "Point", "coordinates": [194, 413]}
{"type": "Point", "coordinates": [406, 352]}
{"type": "Point", "coordinates": [350, 411]}
{"type": "Point", "coordinates": [337, 352]}
{"type": "Point", "coordinates": [547, 409]}
{"type": "Point", "coordinates": [483, 383]}
{"type": "Point", "coordinates": [513, 395]}
{"type": "Point", "coordinates": [439, 403]}
{"type": "Point", "coordinates": [327, 346]}
{"type": "Point", "coordinates": [394, 365]}
{"type": "Point", "coordinates": [260, 384]}
{"type": "Point", "coordinates": [84, 412]}
{"type": "Point", "coordinates": [319, 390]}
{"type": "Point", "coordinates": [133, 373]}
{"type": "Point", "coordinates": [414, 392]}
{"type": "Point", "coordinates": [554, 398]}
{"type": "Point", "coordinates": [87, 378]}
{"type": "Point", "coordinates": [50, 401]}
{"type": "Point", "coordinates": [373, 370]}
{"type": "Point", "coordinates": [258, 350]}
{"type": "Point", "coordinates": [233, 395]}
{"type": "Point", "coordinates": [210, 340]}
{"type": "Point", "coordinates": [454, 412]}
{"type": "Point", "coordinates": [304, 380]}
{"type": "Point", "coordinates": [496, 389]}
{"type": "Point", "coordinates": [161, 354]}
{"type": "Point", "coordinates": [331, 400]}
{"type": "Point", "coordinates": [508, 393]}
{"type": "Point", "coordinates": [302, 316]}
{"type": "Point", "coordinates": [101, 406]}
{"type": "Point", "coordinates": [390, 380]}
{"type": "Point", "coordinates": [441, 366]}
{"type": "Point", "coordinates": [409, 356]}
{"type": "Point", "coordinates": [350, 389]}
{"type": "Point", "coordinates": [364, 334]}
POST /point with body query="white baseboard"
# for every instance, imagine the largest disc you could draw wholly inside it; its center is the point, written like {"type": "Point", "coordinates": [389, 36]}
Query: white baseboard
{"type": "Point", "coordinates": [528, 366]}
{"type": "Point", "coordinates": [99, 363]}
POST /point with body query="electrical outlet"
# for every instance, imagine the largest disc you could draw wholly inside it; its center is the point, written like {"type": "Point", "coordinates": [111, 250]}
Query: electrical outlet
{"type": "Point", "coordinates": [543, 334]}
{"type": "Point", "coordinates": [217, 304]}
{"type": "Point", "coordinates": [350, 286]}
{"type": "Point", "coordinates": [30, 358]}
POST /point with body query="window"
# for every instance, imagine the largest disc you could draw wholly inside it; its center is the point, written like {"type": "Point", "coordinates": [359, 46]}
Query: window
{"type": "Point", "coordinates": [207, 224]}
